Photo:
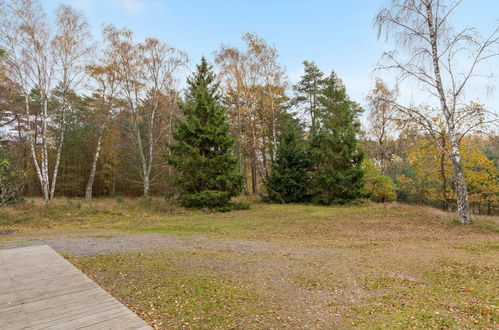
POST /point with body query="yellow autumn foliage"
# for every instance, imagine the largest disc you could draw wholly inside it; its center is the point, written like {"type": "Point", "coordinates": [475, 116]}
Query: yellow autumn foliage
{"type": "Point", "coordinates": [432, 172]}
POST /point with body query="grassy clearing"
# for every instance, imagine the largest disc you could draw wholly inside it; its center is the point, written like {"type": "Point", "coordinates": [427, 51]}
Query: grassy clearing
{"type": "Point", "coordinates": [213, 289]}
{"type": "Point", "coordinates": [451, 294]}
{"type": "Point", "coordinates": [285, 221]}
{"type": "Point", "coordinates": [168, 295]}
{"type": "Point", "coordinates": [364, 266]}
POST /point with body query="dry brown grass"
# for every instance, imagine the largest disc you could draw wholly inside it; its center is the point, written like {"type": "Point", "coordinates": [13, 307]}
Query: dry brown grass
{"type": "Point", "coordinates": [367, 266]}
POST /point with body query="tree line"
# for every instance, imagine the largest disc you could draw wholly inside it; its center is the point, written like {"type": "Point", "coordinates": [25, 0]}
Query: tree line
{"type": "Point", "coordinates": [81, 118]}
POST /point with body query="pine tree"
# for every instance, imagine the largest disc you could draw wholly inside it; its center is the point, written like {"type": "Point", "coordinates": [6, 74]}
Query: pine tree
{"type": "Point", "coordinates": [205, 168]}
{"type": "Point", "coordinates": [288, 179]}
{"type": "Point", "coordinates": [308, 90]}
{"type": "Point", "coordinates": [336, 171]}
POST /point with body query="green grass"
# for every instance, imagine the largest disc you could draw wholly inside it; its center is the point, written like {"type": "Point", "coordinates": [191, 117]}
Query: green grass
{"type": "Point", "coordinates": [158, 288]}
{"type": "Point", "coordinates": [262, 219]}
{"type": "Point", "coordinates": [451, 294]}
{"type": "Point", "coordinates": [480, 247]}
{"type": "Point", "coordinates": [360, 266]}
{"type": "Point", "coordinates": [210, 289]}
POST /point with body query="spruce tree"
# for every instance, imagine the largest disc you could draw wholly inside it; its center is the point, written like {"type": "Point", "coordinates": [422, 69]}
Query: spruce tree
{"type": "Point", "coordinates": [336, 171]}
{"type": "Point", "coordinates": [288, 179]}
{"type": "Point", "coordinates": [206, 172]}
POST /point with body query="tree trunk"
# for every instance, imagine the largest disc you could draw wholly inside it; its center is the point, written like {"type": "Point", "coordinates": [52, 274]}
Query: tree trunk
{"type": "Point", "coordinates": [91, 178]}
{"type": "Point", "coordinates": [254, 161]}
{"type": "Point", "coordinates": [444, 183]}
{"type": "Point", "coordinates": [146, 183]}
{"type": "Point", "coordinates": [150, 157]}
{"type": "Point", "coordinates": [312, 101]}
{"type": "Point", "coordinates": [240, 149]}
{"type": "Point", "coordinates": [273, 127]}
{"type": "Point", "coordinates": [44, 154]}
{"type": "Point", "coordinates": [459, 182]}
{"type": "Point", "coordinates": [254, 175]}
{"type": "Point", "coordinates": [146, 188]}
{"type": "Point", "coordinates": [56, 165]}
{"type": "Point", "coordinates": [243, 169]}
{"type": "Point", "coordinates": [147, 179]}
{"type": "Point", "coordinates": [62, 129]}
{"type": "Point", "coordinates": [445, 198]}
{"type": "Point", "coordinates": [143, 160]}
{"type": "Point", "coordinates": [264, 157]}
{"type": "Point", "coordinates": [246, 189]}
{"type": "Point", "coordinates": [31, 141]}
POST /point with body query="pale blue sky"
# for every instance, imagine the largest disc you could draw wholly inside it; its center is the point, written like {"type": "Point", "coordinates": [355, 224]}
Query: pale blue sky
{"type": "Point", "coordinates": [336, 34]}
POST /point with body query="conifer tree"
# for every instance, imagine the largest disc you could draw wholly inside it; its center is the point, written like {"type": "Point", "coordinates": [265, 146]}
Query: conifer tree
{"type": "Point", "coordinates": [205, 168]}
{"type": "Point", "coordinates": [308, 90]}
{"type": "Point", "coordinates": [336, 171]}
{"type": "Point", "coordinates": [288, 180]}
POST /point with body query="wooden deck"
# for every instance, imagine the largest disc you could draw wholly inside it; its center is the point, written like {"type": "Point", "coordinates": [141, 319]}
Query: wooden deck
{"type": "Point", "coordinates": [39, 289]}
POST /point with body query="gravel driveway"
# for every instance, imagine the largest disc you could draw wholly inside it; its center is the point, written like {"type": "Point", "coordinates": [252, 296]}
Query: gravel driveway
{"type": "Point", "coordinates": [107, 243]}
{"type": "Point", "coordinates": [98, 244]}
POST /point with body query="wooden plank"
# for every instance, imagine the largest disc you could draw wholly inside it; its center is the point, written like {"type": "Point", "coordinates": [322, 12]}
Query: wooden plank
{"type": "Point", "coordinates": [39, 289]}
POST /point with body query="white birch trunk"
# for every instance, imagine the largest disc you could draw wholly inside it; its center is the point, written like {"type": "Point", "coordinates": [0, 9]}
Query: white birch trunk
{"type": "Point", "coordinates": [458, 173]}
{"type": "Point", "coordinates": [56, 165]}
{"type": "Point", "coordinates": [32, 141]}
{"type": "Point", "coordinates": [143, 160]}
{"type": "Point", "coordinates": [459, 180]}
{"type": "Point", "coordinates": [151, 153]}
{"type": "Point", "coordinates": [147, 159]}
{"type": "Point", "coordinates": [59, 153]}
{"type": "Point", "coordinates": [44, 153]}
{"type": "Point", "coordinates": [91, 178]}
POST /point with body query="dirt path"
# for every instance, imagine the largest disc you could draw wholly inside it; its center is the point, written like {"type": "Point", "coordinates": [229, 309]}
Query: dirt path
{"type": "Point", "coordinates": [99, 244]}
{"type": "Point", "coordinates": [299, 286]}
{"type": "Point", "coordinates": [108, 243]}
{"type": "Point", "coordinates": [272, 266]}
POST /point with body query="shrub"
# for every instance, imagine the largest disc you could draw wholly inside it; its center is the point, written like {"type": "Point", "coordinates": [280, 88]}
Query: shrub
{"type": "Point", "coordinates": [11, 184]}
{"type": "Point", "coordinates": [379, 187]}
{"type": "Point", "coordinates": [205, 198]}
{"type": "Point", "coordinates": [119, 199]}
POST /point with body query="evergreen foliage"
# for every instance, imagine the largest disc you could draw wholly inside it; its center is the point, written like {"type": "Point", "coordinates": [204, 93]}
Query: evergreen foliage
{"type": "Point", "coordinates": [336, 171]}
{"type": "Point", "coordinates": [288, 180]}
{"type": "Point", "coordinates": [206, 172]}
{"type": "Point", "coordinates": [11, 183]}
{"type": "Point", "coordinates": [308, 90]}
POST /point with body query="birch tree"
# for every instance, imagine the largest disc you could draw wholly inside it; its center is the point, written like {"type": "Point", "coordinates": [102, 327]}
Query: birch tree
{"type": "Point", "coordinates": [444, 62]}
{"type": "Point", "coordinates": [26, 37]}
{"type": "Point", "coordinates": [71, 49]}
{"type": "Point", "coordinates": [273, 83]}
{"type": "Point", "coordinates": [9, 93]}
{"type": "Point", "coordinates": [38, 59]}
{"type": "Point", "coordinates": [382, 118]}
{"type": "Point", "coordinates": [104, 96]}
{"type": "Point", "coordinates": [255, 85]}
{"type": "Point", "coordinates": [146, 72]}
{"type": "Point", "coordinates": [238, 79]}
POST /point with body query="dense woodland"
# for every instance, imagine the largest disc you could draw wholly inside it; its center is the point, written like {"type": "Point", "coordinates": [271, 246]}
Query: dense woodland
{"type": "Point", "coordinates": [110, 115]}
